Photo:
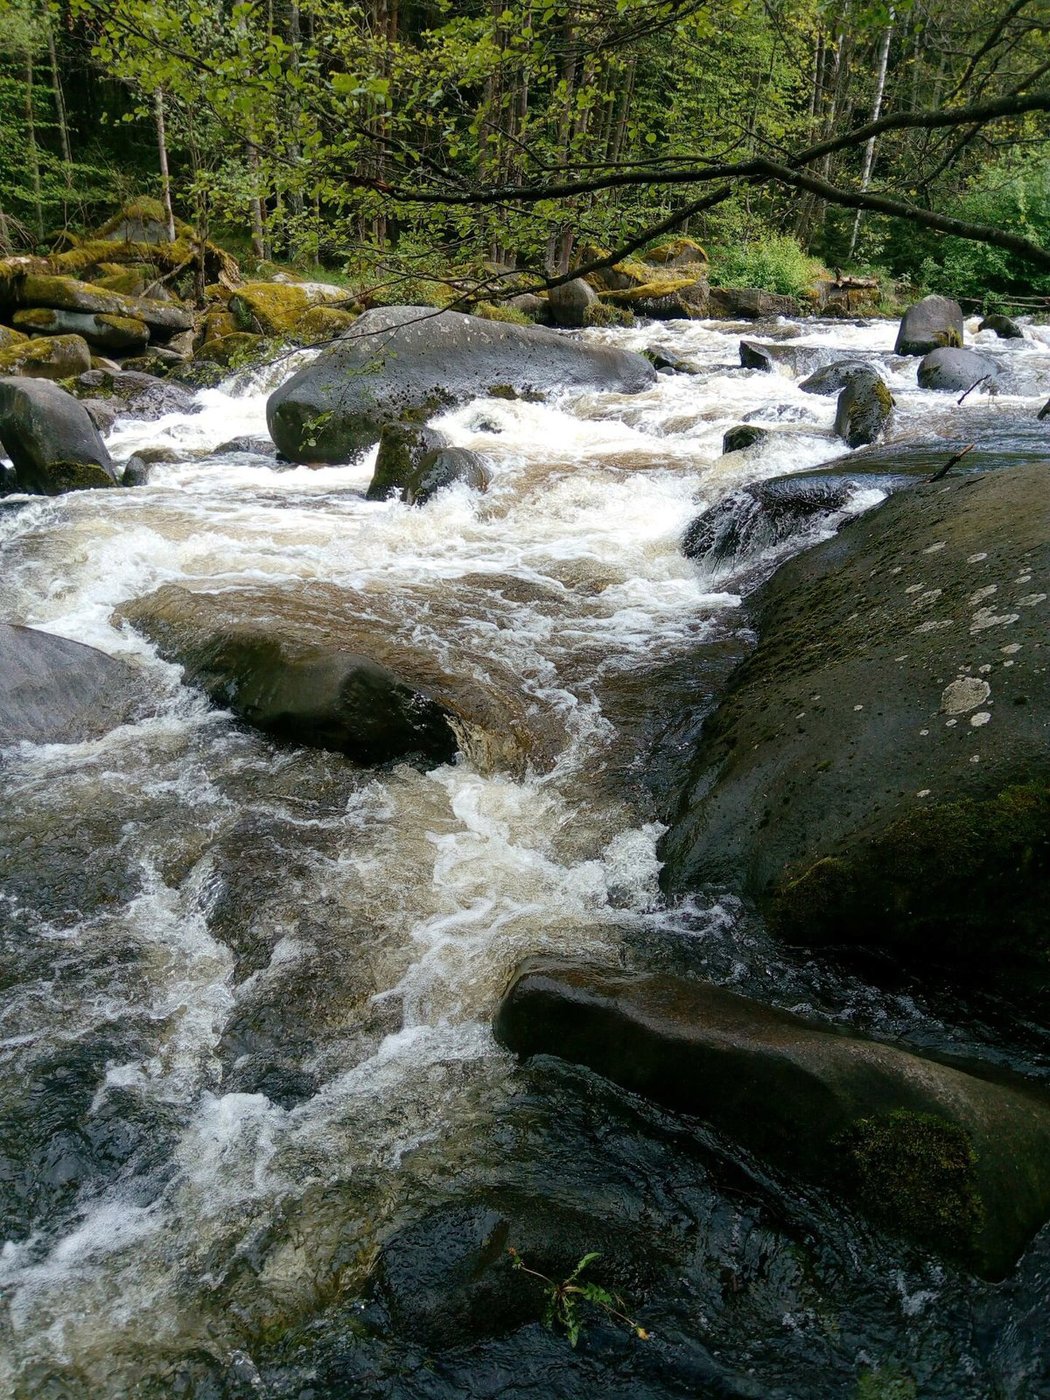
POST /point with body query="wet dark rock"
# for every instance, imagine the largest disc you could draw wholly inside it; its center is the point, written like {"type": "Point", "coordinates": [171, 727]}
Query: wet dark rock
{"type": "Point", "coordinates": [51, 440]}
{"type": "Point", "coordinates": [136, 395]}
{"type": "Point", "coordinates": [954, 370]}
{"type": "Point", "coordinates": [877, 772]}
{"type": "Point", "coordinates": [295, 692]}
{"type": "Point", "coordinates": [402, 449]}
{"type": "Point", "coordinates": [799, 359]}
{"type": "Point", "coordinates": [345, 670]}
{"type": "Point", "coordinates": [762, 515]}
{"type": "Point", "coordinates": [864, 407]}
{"type": "Point", "coordinates": [448, 466]}
{"type": "Point", "coordinates": [744, 435]}
{"type": "Point", "coordinates": [933, 323]}
{"type": "Point", "coordinates": [256, 446]}
{"type": "Point", "coordinates": [136, 471]}
{"type": "Point", "coordinates": [406, 362]}
{"type": "Point", "coordinates": [953, 1161]}
{"type": "Point", "coordinates": [831, 379]}
{"type": "Point", "coordinates": [53, 691]}
{"type": "Point", "coordinates": [102, 414]}
{"type": "Point", "coordinates": [662, 357]}
{"type": "Point", "coordinates": [570, 302]}
{"type": "Point", "coordinates": [1004, 328]}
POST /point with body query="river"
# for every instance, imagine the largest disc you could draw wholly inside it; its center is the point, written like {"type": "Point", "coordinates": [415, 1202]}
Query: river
{"type": "Point", "coordinates": [246, 991]}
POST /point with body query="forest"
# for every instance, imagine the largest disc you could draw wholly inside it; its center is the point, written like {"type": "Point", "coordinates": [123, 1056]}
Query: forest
{"type": "Point", "coordinates": [905, 141]}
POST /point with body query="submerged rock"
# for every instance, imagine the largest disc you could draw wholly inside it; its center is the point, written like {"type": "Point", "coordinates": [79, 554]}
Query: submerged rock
{"type": "Point", "coordinates": [406, 362]}
{"type": "Point", "coordinates": [51, 439]}
{"type": "Point", "coordinates": [799, 359]}
{"type": "Point", "coordinates": [448, 466]}
{"type": "Point", "coordinates": [930, 324]}
{"type": "Point", "coordinates": [864, 407]}
{"type": "Point", "coordinates": [54, 691]}
{"type": "Point", "coordinates": [762, 515]}
{"type": "Point", "coordinates": [337, 669]}
{"type": "Point", "coordinates": [743, 436]}
{"type": "Point", "coordinates": [878, 771]}
{"type": "Point", "coordinates": [954, 370]}
{"type": "Point", "coordinates": [953, 1161]}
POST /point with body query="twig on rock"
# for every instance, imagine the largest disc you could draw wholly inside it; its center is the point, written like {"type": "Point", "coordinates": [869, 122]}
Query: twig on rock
{"type": "Point", "coordinates": [951, 462]}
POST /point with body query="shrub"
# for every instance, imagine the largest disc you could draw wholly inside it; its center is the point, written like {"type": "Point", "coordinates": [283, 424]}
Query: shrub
{"type": "Point", "coordinates": [776, 263]}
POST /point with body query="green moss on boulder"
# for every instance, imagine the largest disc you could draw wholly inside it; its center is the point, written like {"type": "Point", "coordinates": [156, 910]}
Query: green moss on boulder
{"type": "Point", "coordinates": [47, 357]}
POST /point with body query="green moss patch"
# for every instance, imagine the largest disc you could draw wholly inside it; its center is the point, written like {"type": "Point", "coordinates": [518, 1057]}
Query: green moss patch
{"type": "Point", "coordinates": [914, 1173]}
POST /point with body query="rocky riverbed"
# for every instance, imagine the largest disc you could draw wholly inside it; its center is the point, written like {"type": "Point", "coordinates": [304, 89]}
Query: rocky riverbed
{"type": "Point", "coordinates": [258, 1135]}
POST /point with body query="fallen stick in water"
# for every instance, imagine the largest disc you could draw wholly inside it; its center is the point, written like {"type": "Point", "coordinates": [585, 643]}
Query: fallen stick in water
{"type": "Point", "coordinates": [943, 471]}
{"type": "Point", "coordinates": [1044, 412]}
{"type": "Point", "coordinates": [972, 387]}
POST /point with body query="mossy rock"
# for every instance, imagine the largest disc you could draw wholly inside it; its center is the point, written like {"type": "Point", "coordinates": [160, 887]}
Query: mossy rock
{"type": "Point", "coordinates": [498, 311]}
{"type": "Point", "coordinates": [663, 298]}
{"type": "Point", "coordinates": [679, 252]}
{"type": "Point", "coordinates": [602, 313]}
{"type": "Point", "coordinates": [163, 258]}
{"type": "Point", "coordinates": [142, 220]}
{"type": "Point", "coordinates": [9, 338]}
{"type": "Point", "coordinates": [47, 357]}
{"type": "Point", "coordinates": [946, 1158]}
{"type": "Point", "coordinates": [322, 323]}
{"type": "Point", "coordinates": [128, 281]}
{"type": "Point", "coordinates": [268, 308]}
{"type": "Point", "coordinates": [218, 322]}
{"type": "Point", "coordinates": [235, 351]}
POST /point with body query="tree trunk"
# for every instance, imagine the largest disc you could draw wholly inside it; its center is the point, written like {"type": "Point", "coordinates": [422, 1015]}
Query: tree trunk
{"type": "Point", "coordinates": [876, 112]}
{"type": "Point", "coordinates": [33, 150]}
{"type": "Point", "coordinates": [162, 155]}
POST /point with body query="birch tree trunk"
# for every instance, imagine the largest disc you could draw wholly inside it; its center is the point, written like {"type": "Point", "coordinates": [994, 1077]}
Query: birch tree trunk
{"type": "Point", "coordinates": [162, 156]}
{"type": "Point", "coordinates": [876, 112]}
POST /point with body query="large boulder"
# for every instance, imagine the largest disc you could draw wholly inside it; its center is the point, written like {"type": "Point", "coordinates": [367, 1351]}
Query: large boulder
{"type": "Point", "coordinates": [53, 691]}
{"type": "Point", "coordinates": [832, 378]}
{"type": "Point", "coordinates": [930, 324]}
{"type": "Point", "coordinates": [748, 304]}
{"type": "Point", "coordinates": [865, 406]}
{"type": "Point", "coordinates": [337, 669]}
{"type": "Point", "coordinates": [278, 308]}
{"type": "Point", "coordinates": [408, 361]}
{"type": "Point", "coordinates": [569, 303]}
{"type": "Point", "coordinates": [954, 370]}
{"type": "Point", "coordinates": [47, 357]}
{"type": "Point", "coordinates": [1003, 327]}
{"type": "Point", "coordinates": [114, 334]}
{"type": "Point", "coordinates": [951, 1160]}
{"type": "Point", "coordinates": [51, 439]}
{"type": "Point", "coordinates": [879, 770]}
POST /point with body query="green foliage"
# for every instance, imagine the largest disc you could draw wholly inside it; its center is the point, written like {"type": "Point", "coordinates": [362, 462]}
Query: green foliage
{"type": "Point", "coordinates": [564, 1302]}
{"type": "Point", "coordinates": [777, 263]}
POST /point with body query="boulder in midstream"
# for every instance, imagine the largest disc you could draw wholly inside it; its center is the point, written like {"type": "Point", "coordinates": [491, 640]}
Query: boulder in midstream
{"type": "Point", "coordinates": [333, 668]}
{"type": "Point", "coordinates": [406, 362]}
{"type": "Point", "coordinates": [954, 370]}
{"type": "Point", "coordinates": [1003, 327]}
{"type": "Point", "coordinates": [931, 323]}
{"type": "Point", "coordinates": [448, 466]}
{"type": "Point", "coordinates": [864, 408]}
{"type": "Point", "coordinates": [841, 782]}
{"type": "Point", "coordinates": [51, 440]}
{"type": "Point", "coordinates": [955, 1162]}
{"type": "Point", "coordinates": [402, 447]}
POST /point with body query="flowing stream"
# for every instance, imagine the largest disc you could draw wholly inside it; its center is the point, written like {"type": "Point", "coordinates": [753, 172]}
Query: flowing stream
{"type": "Point", "coordinates": [246, 991]}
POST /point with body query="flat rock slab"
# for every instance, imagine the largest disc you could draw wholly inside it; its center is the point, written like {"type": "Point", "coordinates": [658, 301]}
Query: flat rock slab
{"type": "Point", "coordinates": [956, 1162]}
{"type": "Point", "coordinates": [54, 691]}
{"type": "Point", "coordinates": [877, 771]}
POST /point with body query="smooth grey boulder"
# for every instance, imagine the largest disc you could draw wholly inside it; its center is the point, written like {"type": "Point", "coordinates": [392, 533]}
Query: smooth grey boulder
{"type": "Point", "coordinates": [864, 407]}
{"type": "Point", "coordinates": [953, 1161]}
{"type": "Point", "coordinates": [1004, 328]}
{"type": "Point", "coordinates": [930, 324]}
{"type": "Point", "coordinates": [878, 771]}
{"type": "Point", "coordinates": [51, 440]}
{"type": "Point", "coordinates": [448, 466]}
{"type": "Point", "coordinates": [831, 379]}
{"type": "Point", "coordinates": [54, 691]}
{"type": "Point", "coordinates": [402, 448]}
{"type": "Point", "coordinates": [954, 370]}
{"type": "Point", "coordinates": [570, 302]}
{"type": "Point", "coordinates": [406, 362]}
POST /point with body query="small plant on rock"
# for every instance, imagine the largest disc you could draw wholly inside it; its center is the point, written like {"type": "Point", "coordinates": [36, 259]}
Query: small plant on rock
{"type": "Point", "coordinates": [564, 1301]}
